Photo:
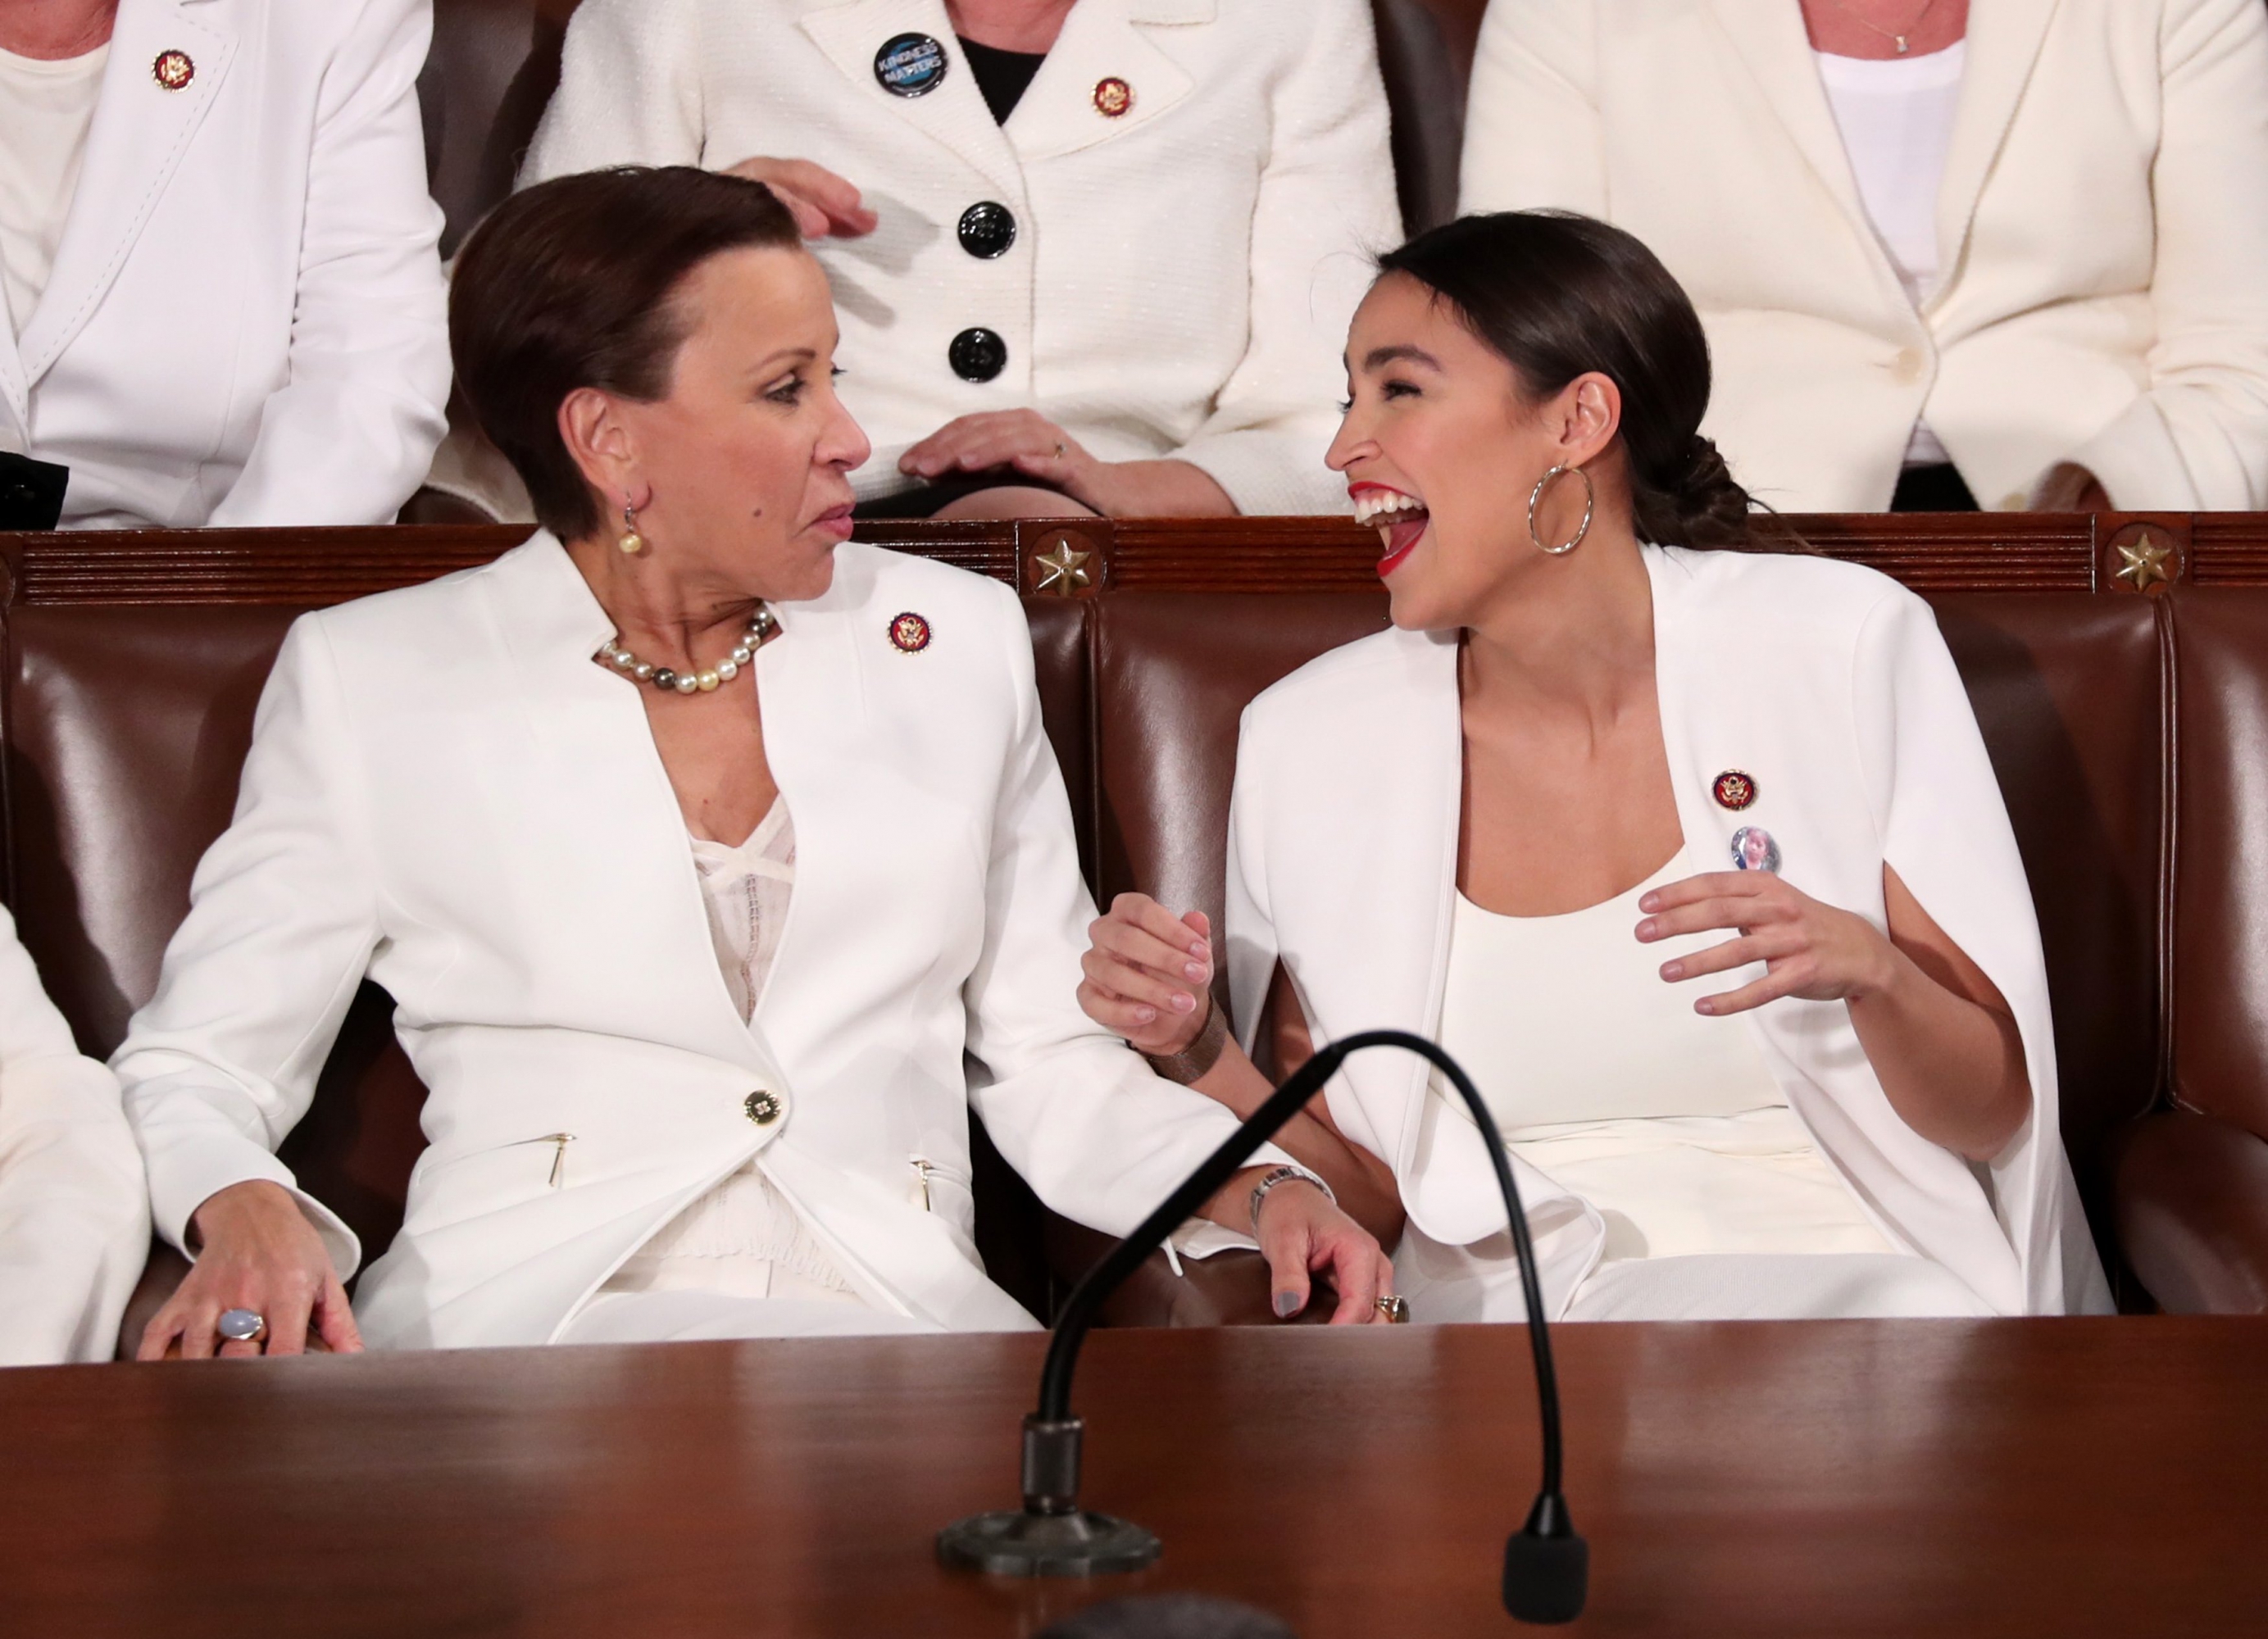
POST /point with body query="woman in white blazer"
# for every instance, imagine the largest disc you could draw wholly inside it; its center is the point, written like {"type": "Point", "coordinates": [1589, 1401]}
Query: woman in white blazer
{"type": "Point", "coordinates": [696, 847]}
{"type": "Point", "coordinates": [2007, 252]}
{"type": "Point", "coordinates": [1088, 257]}
{"type": "Point", "coordinates": [73, 1214]}
{"type": "Point", "coordinates": [225, 301]}
{"type": "Point", "coordinates": [1580, 752]}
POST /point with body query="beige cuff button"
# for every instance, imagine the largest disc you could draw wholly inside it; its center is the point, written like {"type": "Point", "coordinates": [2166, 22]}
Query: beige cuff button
{"type": "Point", "coordinates": [761, 1107]}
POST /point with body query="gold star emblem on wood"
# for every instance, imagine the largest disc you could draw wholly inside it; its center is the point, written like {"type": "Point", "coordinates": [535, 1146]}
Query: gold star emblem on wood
{"type": "Point", "coordinates": [2144, 564]}
{"type": "Point", "coordinates": [1064, 571]}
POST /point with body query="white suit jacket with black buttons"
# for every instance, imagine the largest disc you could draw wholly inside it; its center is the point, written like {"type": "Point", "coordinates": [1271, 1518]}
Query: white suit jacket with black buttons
{"type": "Point", "coordinates": [445, 794]}
{"type": "Point", "coordinates": [1829, 685]}
{"type": "Point", "coordinates": [2102, 230]}
{"type": "Point", "coordinates": [244, 323]}
{"type": "Point", "coordinates": [1182, 275]}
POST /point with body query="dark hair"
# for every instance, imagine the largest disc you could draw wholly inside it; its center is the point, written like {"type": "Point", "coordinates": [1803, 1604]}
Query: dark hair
{"type": "Point", "coordinates": [569, 285]}
{"type": "Point", "coordinates": [1557, 295]}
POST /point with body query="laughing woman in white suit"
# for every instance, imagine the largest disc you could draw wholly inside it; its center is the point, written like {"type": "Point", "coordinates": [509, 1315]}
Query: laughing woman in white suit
{"type": "Point", "coordinates": [696, 848]}
{"type": "Point", "coordinates": [2006, 253]}
{"type": "Point", "coordinates": [1090, 255]}
{"type": "Point", "coordinates": [1582, 753]}
{"type": "Point", "coordinates": [223, 305]}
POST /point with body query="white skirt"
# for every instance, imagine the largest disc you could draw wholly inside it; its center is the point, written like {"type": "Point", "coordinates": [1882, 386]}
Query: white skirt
{"type": "Point", "coordinates": [688, 1315]}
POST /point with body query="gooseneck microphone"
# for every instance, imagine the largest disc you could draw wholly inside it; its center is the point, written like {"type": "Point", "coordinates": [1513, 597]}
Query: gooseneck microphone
{"type": "Point", "coordinates": [1546, 1565]}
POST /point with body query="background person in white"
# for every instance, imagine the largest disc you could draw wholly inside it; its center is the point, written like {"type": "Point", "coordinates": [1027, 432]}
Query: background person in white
{"type": "Point", "coordinates": [2029, 248]}
{"type": "Point", "coordinates": [74, 1211]}
{"type": "Point", "coordinates": [651, 1116]}
{"type": "Point", "coordinates": [218, 258]}
{"type": "Point", "coordinates": [1566, 742]}
{"type": "Point", "coordinates": [1169, 304]}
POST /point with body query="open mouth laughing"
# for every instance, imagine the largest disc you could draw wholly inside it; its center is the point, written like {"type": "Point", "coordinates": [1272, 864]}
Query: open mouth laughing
{"type": "Point", "coordinates": [1399, 519]}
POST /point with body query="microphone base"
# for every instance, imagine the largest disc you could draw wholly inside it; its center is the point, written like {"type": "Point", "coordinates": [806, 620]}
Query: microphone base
{"type": "Point", "coordinates": [1047, 1545]}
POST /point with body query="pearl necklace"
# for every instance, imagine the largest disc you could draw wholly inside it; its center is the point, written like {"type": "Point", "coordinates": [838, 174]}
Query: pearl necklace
{"type": "Point", "coordinates": [762, 627]}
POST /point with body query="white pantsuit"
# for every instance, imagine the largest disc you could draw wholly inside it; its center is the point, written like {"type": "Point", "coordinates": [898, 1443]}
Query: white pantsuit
{"type": "Point", "coordinates": [1828, 686]}
{"type": "Point", "coordinates": [245, 322]}
{"type": "Point", "coordinates": [74, 1218]}
{"type": "Point", "coordinates": [444, 793]}
{"type": "Point", "coordinates": [1181, 273]}
{"type": "Point", "coordinates": [2102, 230]}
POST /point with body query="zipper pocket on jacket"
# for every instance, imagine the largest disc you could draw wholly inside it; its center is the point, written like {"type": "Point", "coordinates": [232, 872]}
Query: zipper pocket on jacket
{"type": "Point", "coordinates": [558, 1142]}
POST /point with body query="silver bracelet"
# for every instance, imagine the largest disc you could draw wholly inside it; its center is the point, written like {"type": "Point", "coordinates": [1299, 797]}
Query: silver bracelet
{"type": "Point", "coordinates": [1289, 1172]}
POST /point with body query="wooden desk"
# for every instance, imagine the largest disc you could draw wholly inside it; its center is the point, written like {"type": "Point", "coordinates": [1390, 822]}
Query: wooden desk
{"type": "Point", "coordinates": [2054, 1477]}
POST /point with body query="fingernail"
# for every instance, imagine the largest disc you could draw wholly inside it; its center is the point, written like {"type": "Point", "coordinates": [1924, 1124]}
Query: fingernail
{"type": "Point", "coordinates": [1147, 1015]}
{"type": "Point", "coordinates": [1705, 1005]}
{"type": "Point", "coordinates": [1195, 970]}
{"type": "Point", "coordinates": [1673, 970]}
{"type": "Point", "coordinates": [1652, 901]}
{"type": "Point", "coordinates": [1646, 930]}
{"type": "Point", "coordinates": [1203, 947]}
{"type": "Point", "coordinates": [1287, 1304]}
{"type": "Point", "coordinates": [1184, 1002]}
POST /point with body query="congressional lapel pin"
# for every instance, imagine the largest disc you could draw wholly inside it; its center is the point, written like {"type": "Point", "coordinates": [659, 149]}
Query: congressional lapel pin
{"type": "Point", "coordinates": [1734, 790]}
{"type": "Point", "coordinates": [1754, 849]}
{"type": "Point", "coordinates": [908, 633]}
{"type": "Point", "coordinates": [910, 65]}
{"type": "Point", "coordinates": [1112, 97]}
{"type": "Point", "coordinates": [173, 70]}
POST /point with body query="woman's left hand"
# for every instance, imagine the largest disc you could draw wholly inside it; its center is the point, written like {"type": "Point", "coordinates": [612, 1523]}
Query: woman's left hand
{"type": "Point", "coordinates": [1022, 439]}
{"type": "Point", "coordinates": [1809, 950]}
{"type": "Point", "coordinates": [1302, 1234]}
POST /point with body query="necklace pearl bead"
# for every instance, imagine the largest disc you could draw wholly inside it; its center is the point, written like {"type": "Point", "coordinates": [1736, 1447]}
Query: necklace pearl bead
{"type": "Point", "coordinates": [761, 625]}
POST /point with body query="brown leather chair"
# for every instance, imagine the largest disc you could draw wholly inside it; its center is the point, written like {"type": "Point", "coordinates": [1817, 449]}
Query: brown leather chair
{"type": "Point", "coordinates": [1426, 52]}
{"type": "Point", "coordinates": [489, 75]}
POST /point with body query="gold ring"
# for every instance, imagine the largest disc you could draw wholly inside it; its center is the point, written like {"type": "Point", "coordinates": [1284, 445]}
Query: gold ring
{"type": "Point", "coordinates": [1395, 1308]}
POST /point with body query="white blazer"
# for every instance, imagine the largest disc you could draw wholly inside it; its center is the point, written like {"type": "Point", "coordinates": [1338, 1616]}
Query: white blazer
{"type": "Point", "coordinates": [244, 324]}
{"type": "Point", "coordinates": [74, 1217]}
{"type": "Point", "coordinates": [1828, 684]}
{"type": "Point", "coordinates": [1182, 276]}
{"type": "Point", "coordinates": [445, 794]}
{"type": "Point", "coordinates": [2102, 232]}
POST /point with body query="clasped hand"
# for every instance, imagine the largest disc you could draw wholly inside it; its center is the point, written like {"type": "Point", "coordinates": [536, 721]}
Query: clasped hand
{"type": "Point", "coordinates": [258, 1252]}
{"type": "Point", "coordinates": [1809, 950]}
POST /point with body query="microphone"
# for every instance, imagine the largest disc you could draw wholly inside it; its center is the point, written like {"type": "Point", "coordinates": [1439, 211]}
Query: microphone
{"type": "Point", "coordinates": [1546, 1565]}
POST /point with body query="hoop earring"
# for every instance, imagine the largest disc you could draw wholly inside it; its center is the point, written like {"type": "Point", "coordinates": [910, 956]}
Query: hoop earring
{"type": "Point", "coordinates": [632, 543]}
{"type": "Point", "coordinates": [1535, 499]}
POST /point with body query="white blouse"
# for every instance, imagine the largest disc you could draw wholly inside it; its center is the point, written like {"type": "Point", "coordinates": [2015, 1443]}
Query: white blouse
{"type": "Point", "coordinates": [50, 107]}
{"type": "Point", "coordinates": [1896, 118]}
{"type": "Point", "coordinates": [1604, 1078]}
{"type": "Point", "coordinates": [743, 1238]}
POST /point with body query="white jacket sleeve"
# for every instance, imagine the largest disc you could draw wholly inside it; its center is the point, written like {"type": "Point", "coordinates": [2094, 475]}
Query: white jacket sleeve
{"type": "Point", "coordinates": [73, 1214]}
{"type": "Point", "coordinates": [629, 92]}
{"type": "Point", "coordinates": [1099, 1136]}
{"type": "Point", "coordinates": [1532, 133]}
{"type": "Point", "coordinates": [223, 1061]}
{"type": "Point", "coordinates": [1326, 207]}
{"type": "Point", "coordinates": [2208, 364]}
{"type": "Point", "coordinates": [350, 434]}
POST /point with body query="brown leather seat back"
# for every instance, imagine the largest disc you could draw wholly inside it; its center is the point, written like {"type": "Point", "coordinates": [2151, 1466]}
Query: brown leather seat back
{"type": "Point", "coordinates": [2068, 693]}
{"type": "Point", "coordinates": [2219, 958]}
{"type": "Point", "coordinates": [491, 71]}
{"type": "Point", "coordinates": [1425, 54]}
{"type": "Point", "coordinates": [1173, 672]}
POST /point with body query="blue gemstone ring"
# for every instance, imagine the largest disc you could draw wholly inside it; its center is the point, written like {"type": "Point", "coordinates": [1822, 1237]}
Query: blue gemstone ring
{"type": "Point", "coordinates": [241, 1326]}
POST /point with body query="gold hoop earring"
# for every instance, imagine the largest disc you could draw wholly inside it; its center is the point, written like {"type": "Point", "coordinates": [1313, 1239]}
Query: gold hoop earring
{"type": "Point", "coordinates": [1535, 499]}
{"type": "Point", "coordinates": [632, 543]}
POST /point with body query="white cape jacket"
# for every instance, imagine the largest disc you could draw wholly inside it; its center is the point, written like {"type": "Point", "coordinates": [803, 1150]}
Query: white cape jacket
{"type": "Point", "coordinates": [444, 794]}
{"type": "Point", "coordinates": [1829, 685]}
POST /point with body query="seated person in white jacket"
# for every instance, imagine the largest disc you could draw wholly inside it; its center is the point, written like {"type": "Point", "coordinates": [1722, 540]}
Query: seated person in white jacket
{"type": "Point", "coordinates": [1949, 255]}
{"type": "Point", "coordinates": [1089, 255]}
{"type": "Point", "coordinates": [702, 851]}
{"type": "Point", "coordinates": [74, 1222]}
{"type": "Point", "coordinates": [1581, 752]}
{"type": "Point", "coordinates": [220, 301]}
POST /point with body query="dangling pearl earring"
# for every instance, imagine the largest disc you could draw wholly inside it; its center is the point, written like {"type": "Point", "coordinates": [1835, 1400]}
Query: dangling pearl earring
{"type": "Point", "coordinates": [632, 543]}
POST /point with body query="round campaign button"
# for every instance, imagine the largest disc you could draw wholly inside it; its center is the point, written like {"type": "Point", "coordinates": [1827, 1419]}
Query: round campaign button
{"type": "Point", "coordinates": [987, 229]}
{"type": "Point", "coordinates": [1754, 849]}
{"type": "Point", "coordinates": [977, 354]}
{"type": "Point", "coordinates": [910, 65]}
{"type": "Point", "coordinates": [1734, 790]}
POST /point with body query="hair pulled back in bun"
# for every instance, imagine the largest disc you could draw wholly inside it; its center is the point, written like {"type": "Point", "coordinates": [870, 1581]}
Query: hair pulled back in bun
{"type": "Point", "coordinates": [1556, 296]}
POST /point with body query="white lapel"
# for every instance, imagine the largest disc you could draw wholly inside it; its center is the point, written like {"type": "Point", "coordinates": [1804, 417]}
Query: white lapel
{"type": "Point", "coordinates": [954, 111]}
{"type": "Point", "coordinates": [140, 131]}
{"type": "Point", "coordinates": [2004, 42]}
{"type": "Point", "coordinates": [1103, 40]}
{"type": "Point", "coordinates": [1772, 42]}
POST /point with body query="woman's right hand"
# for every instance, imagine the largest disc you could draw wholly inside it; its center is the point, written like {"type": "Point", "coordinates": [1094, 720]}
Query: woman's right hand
{"type": "Point", "coordinates": [822, 203]}
{"type": "Point", "coordinates": [258, 1252]}
{"type": "Point", "coordinates": [1148, 974]}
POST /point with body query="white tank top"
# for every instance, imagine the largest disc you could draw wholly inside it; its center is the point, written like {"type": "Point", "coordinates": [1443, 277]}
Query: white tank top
{"type": "Point", "coordinates": [1603, 1078]}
